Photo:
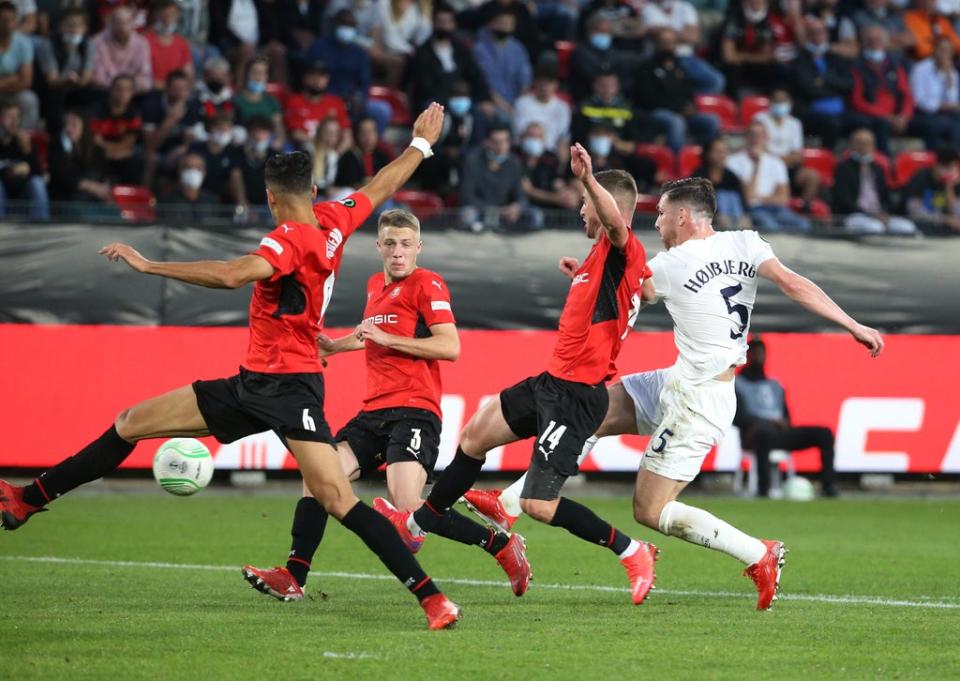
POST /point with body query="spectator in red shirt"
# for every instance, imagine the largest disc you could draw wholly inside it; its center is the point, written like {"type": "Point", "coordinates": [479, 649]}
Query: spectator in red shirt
{"type": "Point", "coordinates": [168, 51]}
{"type": "Point", "coordinates": [882, 101]}
{"type": "Point", "coordinates": [307, 109]}
{"type": "Point", "coordinates": [117, 129]}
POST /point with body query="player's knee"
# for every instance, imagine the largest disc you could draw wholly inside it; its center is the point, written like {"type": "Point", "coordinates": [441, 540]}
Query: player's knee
{"type": "Point", "coordinates": [647, 514]}
{"type": "Point", "coordinates": [338, 504]}
{"type": "Point", "coordinates": [470, 441]}
{"type": "Point", "coordinates": [539, 509]}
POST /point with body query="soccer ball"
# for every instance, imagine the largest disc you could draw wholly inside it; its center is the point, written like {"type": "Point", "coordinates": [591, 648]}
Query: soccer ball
{"type": "Point", "coordinates": [183, 466]}
{"type": "Point", "coordinates": [799, 489]}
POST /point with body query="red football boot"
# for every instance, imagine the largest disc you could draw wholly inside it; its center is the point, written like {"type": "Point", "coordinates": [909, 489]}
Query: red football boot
{"type": "Point", "coordinates": [513, 560]}
{"type": "Point", "coordinates": [639, 568]}
{"type": "Point", "coordinates": [14, 511]}
{"type": "Point", "coordinates": [486, 504]}
{"type": "Point", "coordinates": [399, 520]}
{"type": "Point", "coordinates": [441, 612]}
{"type": "Point", "coordinates": [276, 582]}
{"type": "Point", "coordinates": [765, 573]}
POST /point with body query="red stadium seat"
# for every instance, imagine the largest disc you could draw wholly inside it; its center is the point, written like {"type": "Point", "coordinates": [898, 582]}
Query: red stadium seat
{"type": "Point", "coordinates": [688, 160]}
{"type": "Point", "coordinates": [647, 203]}
{"type": "Point", "coordinates": [724, 108]}
{"type": "Point", "coordinates": [423, 204]}
{"type": "Point", "coordinates": [823, 161]}
{"type": "Point", "coordinates": [817, 208]}
{"type": "Point", "coordinates": [279, 91]}
{"type": "Point", "coordinates": [136, 204]}
{"type": "Point", "coordinates": [40, 142]}
{"type": "Point", "coordinates": [564, 49]}
{"type": "Point", "coordinates": [751, 105]}
{"type": "Point", "coordinates": [397, 100]}
{"type": "Point", "coordinates": [662, 156]}
{"type": "Point", "coordinates": [909, 162]}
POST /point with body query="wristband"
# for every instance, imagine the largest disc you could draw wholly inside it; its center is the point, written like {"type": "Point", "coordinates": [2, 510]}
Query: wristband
{"type": "Point", "coordinates": [422, 145]}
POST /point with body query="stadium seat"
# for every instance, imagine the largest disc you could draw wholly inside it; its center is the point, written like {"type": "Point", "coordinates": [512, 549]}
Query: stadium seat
{"type": "Point", "coordinates": [688, 160]}
{"type": "Point", "coordinates": [397, 100]}
{"type": "Point", "coordinates": [662, 156]}
{"type": "Point", "coordinates": [564, 49]}
{"type": "Point", "coordinates": [724, 108]}
{"type": "Point", "coordinates": [40, 142]}
{"type": "Point", "coordinates": [823, 161]}
{"type": "Point", "coordinates": [909, 162]}
{"type": "Point", "coordinates": [750, 106]}
{"type": "Point", "coordinates": [424, 205]}
{"type": "Point", "coordinates": [818, 208]}
{"type": "Point", "coordinates": [647, 203]}
{"type": "Point", "coordinates": [136, 203]}
{"type": "Point", "coordinates": [280, 92]}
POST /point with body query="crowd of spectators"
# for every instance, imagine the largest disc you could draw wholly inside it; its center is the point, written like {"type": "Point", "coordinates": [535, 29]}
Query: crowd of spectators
{"type": "Point", "coordinates": [189, 98]}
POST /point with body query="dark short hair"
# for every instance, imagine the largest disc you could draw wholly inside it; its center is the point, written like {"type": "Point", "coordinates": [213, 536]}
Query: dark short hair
{"type": "Point", "coordinates": [499, 127]}
{"type": "Point", "coordinates": [176, 74]}
{"type": "Point", "coordinates": [696, 193]}
{"type": "Point", "coordinates": [259, 123]}
{"type": "Point", "coordinates": [7, 6]}
{"type": "Point", "coordinates": [120, 76]}
{"type": "Point", "coordinates": [74, 11]}
{"type": "Point", "coordinates": [755, 342]}
{"type": "Point", "coordinates": [620, 184]}
{"type": "Point", "coordinates": [290, 173]}
{"type": "Point", "coordinates": [947, 155]}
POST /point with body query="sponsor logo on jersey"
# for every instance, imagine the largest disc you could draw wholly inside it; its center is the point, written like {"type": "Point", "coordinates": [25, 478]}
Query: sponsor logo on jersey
{"type": "Point", "coordinates": [581, 279]}
{"type": "Point", "coordinates": [395, 292]}
{"type": "Point", "coordinates": [349, 203]}
{"type": "Point", "coordinates": [334, 241]}
{"type": "Point", "coordinates": [383, 319]}
{"type": "Point", "coordinates": [272, 245]}
{"type": "Point", "coordinates": [714, 269]}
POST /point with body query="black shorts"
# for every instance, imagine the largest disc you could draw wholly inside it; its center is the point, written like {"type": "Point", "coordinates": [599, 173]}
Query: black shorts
{"type": "Point", "coordinates": [561, 415]}
{"type": "Point", "coordinates": [291, 405]}
{"type": "Point", "coordinates": [387, 436]}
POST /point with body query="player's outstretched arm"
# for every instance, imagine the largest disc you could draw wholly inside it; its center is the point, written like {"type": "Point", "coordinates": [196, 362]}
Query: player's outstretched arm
{"type": "Point", "coordinates": [810, 296]}
{"type": "Point", "coordinates": [331, 346]}
{"type": "Point", "coordinates": [443, 343]}
{"type": "Point", "coordinates": [607, 210]}
{"type": "Point", "coordinates": [395, 174]}
{"type": "Point", "coordinates": [209, 273]}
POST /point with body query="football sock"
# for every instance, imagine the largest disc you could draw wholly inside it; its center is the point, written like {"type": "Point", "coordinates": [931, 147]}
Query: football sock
{"type": "Point", "coordinates": [459, 528]}
{"type": "Point", "coordinates": [381, 538]}
{"type": "Point", "coordinates": [456, 479]}
{"type": "Point", "coordinates": [92, 462]}
{"type": "Point", "coordinates": [579, 520]}
{"type": "Point", "coordinates": [699, 527]}
{"type": "Point", "coordinates": [510, 497]}
{"type": "Point", "coordinates": [309, 522]}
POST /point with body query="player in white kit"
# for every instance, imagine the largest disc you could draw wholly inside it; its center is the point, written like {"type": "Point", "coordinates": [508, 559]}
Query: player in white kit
{"type": "Point", "coordinates": [708, 281]}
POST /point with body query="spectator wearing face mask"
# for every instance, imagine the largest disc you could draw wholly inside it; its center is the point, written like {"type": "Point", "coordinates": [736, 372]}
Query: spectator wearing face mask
{"type": "Point", "coordinates": [65, 65]}
{"type": "Point", "coordinates": [933, 194]}
{"type": "Point", "coordinates": [253, 101]}
{"type": "Point", "coordinates": [503, 62]}
{"type": "Point", "coordinates": [609, 107]}
{"type": "Point", "coordinates": [168, 51]}
{"type": "Point", "coordinates": [628, 27]}
{"type": "Point", "coordinates": [441, 173]}
{"type": "Point", "coordinates": [756, 42]}
{"type": "Point", "coordinates": [223, 176]}
{"type": "Point", "coordinates": [305, 110]}
{"type": "Point", "coordinates": [543, 173]}
{"type": "Point", "coordinates": [862, 194]}
{"type": "Point", "coordinates": [935, 84]}
{"type": "Point", "coordinates": [188, 202]}
{"type": "Point", "coordinates": [491, 188]}
{"type": "Point", "coordinates": [840, 30]}
{"type": "Point", "coordinates": [681, 17]}
{"type": "Point", "coordinates": [604, 143]}
{"type": "Point", "coordinates": [214, 96]}
{"type": "Point", "coordinates": [118, 130]}
{"type": "Point", "coordinates": [543, 107]}
{"type": "Point", "coordinates": [526, 28]}
{"type": "Point", "coordinates": [258, 149]}
{"type": "Point", "coordinates": [785, 141]}
{"type": "Point", "coordinates": [119, 49]}
{"type": "Point", "coordinates": [597, 56]}
{"type": "Point", "coordinates": [19, 170]}
{"type": "Point", "coordinates": [881, 96]}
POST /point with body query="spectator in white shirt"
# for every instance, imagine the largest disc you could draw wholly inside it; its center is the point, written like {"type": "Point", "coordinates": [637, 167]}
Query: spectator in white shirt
{"type": "Point", "coordinates": [936, 92]}
{"type": "Point", "coordinates": [681, 17]}
{"type": "Point", "coordinates": [543, 106]}
{"type": "Point", "coordinates": [785, 141]}
{"type": "Point", "coordinates": [405, 24]}
{"type": "Point", "coordinates": [766, 184]}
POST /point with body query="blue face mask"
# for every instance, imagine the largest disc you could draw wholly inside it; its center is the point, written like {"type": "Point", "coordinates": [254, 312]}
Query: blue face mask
{"type": "Point", "coordinates": [533, 146]}
{"type": "Point", "coordinates": [459, 106]}
{"type": "Point", "coordinates": [874, 55]}
{"type": "Point", "coordinates": [256, 87]}
{"type": "Point", "coordinates": [862, 158]}
{"type": "Point", "coordinates": [780, 109]}
{"type": "Point", "coordinates": [346, 34]}
{"type": "Point", "coordinates": [601, 41]}
{"type": "Point", "coordinates": [600, 145]}
{"type": "Point", "coordinates": [498, 158]}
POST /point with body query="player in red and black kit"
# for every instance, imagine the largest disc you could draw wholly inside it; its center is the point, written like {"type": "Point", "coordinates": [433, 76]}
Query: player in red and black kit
{"type": "Point", "coordinates": [280, 385]}
{"type": "Point", "coordinates": [564, 405]}
{"type": "Point", "coordinates": [408, 327]}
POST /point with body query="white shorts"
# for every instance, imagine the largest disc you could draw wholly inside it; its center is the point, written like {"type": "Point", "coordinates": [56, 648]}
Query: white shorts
{"type": "Point", "coordinates": [684, 420]}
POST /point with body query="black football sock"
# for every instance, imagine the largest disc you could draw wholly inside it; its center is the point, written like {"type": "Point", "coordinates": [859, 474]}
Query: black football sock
{"type": "Point", "coordinates": [309, 522]}
{"type": "Point", "coordinates": [92, 462]}
{"type": "Point", "coordinates": [460, 528]}
{"type": "Point", "coordinates": [579, 520]}
{"type": "Point", "coordinates": [381, 538]}
{"type": "Point", "coordinates": [456, 479]}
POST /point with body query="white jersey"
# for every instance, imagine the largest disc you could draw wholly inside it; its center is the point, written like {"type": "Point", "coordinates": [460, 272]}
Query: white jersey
{"type": "Point", "coordinates": [709, 286]}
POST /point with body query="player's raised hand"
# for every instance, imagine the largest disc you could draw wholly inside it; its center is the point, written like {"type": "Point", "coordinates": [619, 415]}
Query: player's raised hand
{"type": "Point", "coordinates": [429, 124]}
{"type": "Point", "coordinates": [117, 251]}
{"type": "Point", "coordinates": [869, 338]}
{"type": "Point", "coordinates": [580, 162]}
{"type": "Point", "coordinates": [569, 266]}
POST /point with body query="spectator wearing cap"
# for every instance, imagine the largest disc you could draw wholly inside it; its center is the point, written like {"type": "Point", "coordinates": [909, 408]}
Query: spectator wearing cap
{"type": "Point", "coordinates": [65, 62]}
{"type": "Point", "coordinates": [503, 61]}
{"type": "Point", "coordinates": [253, 100]}
{"type": "Point", "coordinates": [16, 68]}
{"type": "Point", "coordinates": [543, 107]}
{"type": "Point", "coordinates": [170, 121]}
{"type": "Point", "coordinates": [19, 169]}
{"type": "Point", "coordinates": [933, 194]}
{"type": "Point", "coordinates": [927, 25]}
{"type": "Point", "coordinates": [862, 194]}
{"type": "Point", "coordinates": [168, 51]}
{"type": "Point", "coordinates": [117, 129]}
{"type": "Point", "coordinates": [119, 49]}
{"type": "Point", "coordinates": [305, 110]}
{"type": "Point", "coordinates": [597, 55]}
{"type": "Point", "coordinates": [935, 84]}
{"type": "Point", "coordinates": [680, 17]}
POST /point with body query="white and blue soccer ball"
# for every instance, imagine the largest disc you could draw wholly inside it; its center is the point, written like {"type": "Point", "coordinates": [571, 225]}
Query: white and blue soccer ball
{"type": "Point", "coordinates": [183, 466]}
{"type": "Point", "coordinates": [799, 489]}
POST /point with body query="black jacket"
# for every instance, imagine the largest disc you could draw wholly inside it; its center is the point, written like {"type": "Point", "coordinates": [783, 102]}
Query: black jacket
{"type": "Point", "coordinates": [663, 84]}
{"type": "Point", "coordinates": [846, 187]}
{"type": "Point", "coordinates": [84, 161]}
{"type": "Point", "coordinates": [810, 85]}
{"type": "Point", "coordinates": [428, 81]}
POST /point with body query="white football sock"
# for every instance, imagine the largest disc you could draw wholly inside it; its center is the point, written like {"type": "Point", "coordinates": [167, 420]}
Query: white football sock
{"type": "Point", "coordinates": [630, 550]}
{"type": "Point", "coordinates": [699, 527]}
{"type": "Point", "coordinates": [510, 497]}
{"type": "Point", "coordinates": [587, 448]}
{"type": "Point", "coordinates": [413, 527]}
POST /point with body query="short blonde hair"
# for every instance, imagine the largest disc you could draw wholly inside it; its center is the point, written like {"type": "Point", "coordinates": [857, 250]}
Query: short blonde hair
{"type": "Point", "coordinates": [397, 217]}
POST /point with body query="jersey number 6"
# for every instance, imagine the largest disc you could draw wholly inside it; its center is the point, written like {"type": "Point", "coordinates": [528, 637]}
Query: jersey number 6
{"type": "Point", "coordinates": [736, 308]}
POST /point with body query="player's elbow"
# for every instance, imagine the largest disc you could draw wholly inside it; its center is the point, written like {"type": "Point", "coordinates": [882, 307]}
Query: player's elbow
{"type": "Point", "coordinates": [452, 351]}
{"type": "Point", "coordinates": [793, 286]}
{"type": "Point", "coordinates": [233, 278]}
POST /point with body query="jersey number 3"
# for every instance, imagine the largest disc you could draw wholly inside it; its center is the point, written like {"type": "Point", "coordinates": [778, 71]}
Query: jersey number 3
{"type": "Point", "coordinates": [736, 308]}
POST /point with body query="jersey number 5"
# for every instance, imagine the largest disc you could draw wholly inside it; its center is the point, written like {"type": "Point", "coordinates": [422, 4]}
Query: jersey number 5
{"type": "Point", "coordinates": [736, 308]}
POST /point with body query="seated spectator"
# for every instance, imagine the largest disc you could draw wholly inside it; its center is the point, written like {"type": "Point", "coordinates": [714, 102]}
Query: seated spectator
{"type": "Point", "coordinates": [597, 56]}
{"type": "Point", "coordinates": [260, 146]}
{"type": "Point", "coordinates": [665, 89]}
{"type": "Point", "coordinates": [839, 26]}
{"type": "Point", "coordinates": [168, 51]}
{"type": "Point", "coordinates": [327, 149]}
{"type": "Point", "coordinates": [731, 203]}
{"type": "Point", "coordinates": [932, 193]}
{"type": "Point", "coordinates": [862, 194]}
{"type": "Point", "coordinates": [287, 30]}
{"type": "Point", "coordinates": [882, 13]}
{"type": "Point", "coordinates": [235, 32]}
{"type": "Point", "coordinates": [525, 23]}
{"type": "Point", "coordinates": [405, 25]}
{"type": "Point", "coordinates": [627, 27]}
{"type": "Point", "coordinates": [169, 125]}
{"type": "Point", "coordinates": [20, 176]}
{"type": "Point", "coordinates": [503, 61]}
{"type": "Point", "coordinates": [253, 101]}
{"type": "Point", "coordinates": [606, 106]}
{"type": "Point", "coordinates": [223, 176]}
{"type": "Point", "coordinates": [119, 49]}
{"type": "Point", "coordinates": [881, 93]}
{"type": "Point", "coordinates": [491, 189]}
{"type": "Point", "coordinates": [364, 159]}
{"type": "Point", "coordinates": [605, 145]}
{"type": "Point", "coordinates": [305, 110]}
{"type": "Point", "coordinates": [785, 141]}
{"type": "Point", "coordinates": [766, 184]}
{"type": "Point", "coordinates": [441, 172]}
{"type": "Point", "coordinates": [76, 170]}
{"type": "Point", "coordinates": [935, 85]}
{"type": "Point", "coordinates": [65, 62]}
{"type": "Point", "coordinates": [764, 422]}
{"type": "Point", "coordinates": [756, 42]}
{"type": "Point", "coordinates": [214, 95]}
{"type": "Point", "coordinates": [543, 173]}
{"type": "Point", "coordinates": [680, 17]}
{"type": "Point", "coordinates": [188, 202]}
{"type": "Point", "coordinates": [117, 128]}
{"type": "Point", "coordinates": [16, 68]}
{"type": "Point", "coordinates": [28, 19]}
{"type": "Point", "coordinates": [822, 82]}
{"type": "Point", "coordinates": [544, 107]}
{"type": "Point", "coordinates": [927, 26]}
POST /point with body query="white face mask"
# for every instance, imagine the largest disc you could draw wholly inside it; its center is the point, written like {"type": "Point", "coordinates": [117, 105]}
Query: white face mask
{"type": "Point", "coordinates": [754, 16]}
{"type": "Point", "coordinates": [191, 178]}
{"type": "Point", "coordinates": [221, 139]}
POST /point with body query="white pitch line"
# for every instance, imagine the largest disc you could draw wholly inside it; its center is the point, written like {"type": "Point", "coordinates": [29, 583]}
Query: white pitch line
{"type": "Point", "coordinates": [848, 599]}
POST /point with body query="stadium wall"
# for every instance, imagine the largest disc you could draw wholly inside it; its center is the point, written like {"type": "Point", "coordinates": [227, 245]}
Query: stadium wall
{"type": "Point", "coordinates": [63, 384]}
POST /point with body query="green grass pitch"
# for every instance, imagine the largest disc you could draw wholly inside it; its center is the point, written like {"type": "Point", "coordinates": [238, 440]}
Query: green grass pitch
{"type": "Point", "coordinates": [110, 610]}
